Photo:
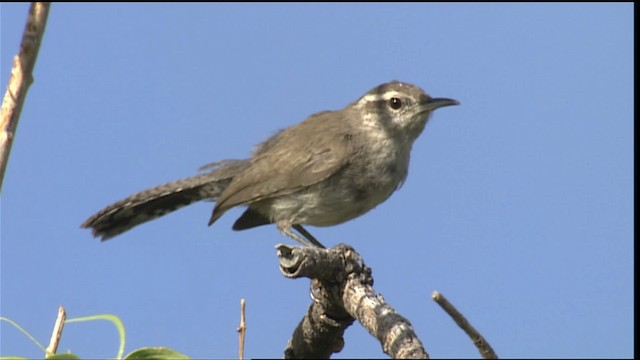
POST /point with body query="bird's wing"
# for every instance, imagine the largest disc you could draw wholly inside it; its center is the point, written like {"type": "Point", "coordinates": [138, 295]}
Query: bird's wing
{"type": "Point", "coordinates": [294, 158]}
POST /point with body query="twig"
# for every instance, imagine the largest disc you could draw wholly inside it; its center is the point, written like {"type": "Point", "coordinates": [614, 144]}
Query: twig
{"type": "Point", "coordinates": [21, 79]}
{"type": "Point", "coordinates": [242, 329]}
{"type": "Point", "coordinates": [481, 343]}
{"type": "Point", "coordinates": [57, 331]}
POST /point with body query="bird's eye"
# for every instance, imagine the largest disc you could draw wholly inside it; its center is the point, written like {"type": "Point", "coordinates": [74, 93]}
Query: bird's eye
{"type": "Point", "coordinates": [395, 103]}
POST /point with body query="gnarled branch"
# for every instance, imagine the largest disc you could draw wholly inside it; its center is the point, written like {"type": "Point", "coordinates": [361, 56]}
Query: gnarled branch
{"type": "Point", "coordinates": [342, 290]}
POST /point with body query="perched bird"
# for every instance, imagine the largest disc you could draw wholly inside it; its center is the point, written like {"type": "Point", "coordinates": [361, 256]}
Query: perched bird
{"type": "Point", "coordinates": [332, 167]}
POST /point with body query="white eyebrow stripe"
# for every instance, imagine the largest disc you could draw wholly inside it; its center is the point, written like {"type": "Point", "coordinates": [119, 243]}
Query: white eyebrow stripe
{"type": "Point", "coordinates": [384, 96]}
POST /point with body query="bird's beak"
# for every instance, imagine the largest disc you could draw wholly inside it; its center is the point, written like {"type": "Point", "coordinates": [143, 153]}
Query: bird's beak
{"type": "Point", "coordinates": [435, 103]}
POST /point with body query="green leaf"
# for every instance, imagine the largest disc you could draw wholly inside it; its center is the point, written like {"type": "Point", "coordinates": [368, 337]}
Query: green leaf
{"type": "Point", "coordinates": [155, 353]}
{"type": "Point", "coordinates": [2, 318]}
{"type": "Point", "coordinates": [63, 356]}
{"type": "Point", "coordinates": [112, 318]}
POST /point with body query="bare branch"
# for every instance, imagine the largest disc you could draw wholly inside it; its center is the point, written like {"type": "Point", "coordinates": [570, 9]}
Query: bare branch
{"type": "Point", "coordinates": [57, 331]}
{"type": "Point", "coordinates": [342, 292]}
{"type": "Point", "coordinates": [21, 79]}
{"type": "Point", "coordinates": [242, 329]}
{"type": "Point", "coordinates": [483, 345]}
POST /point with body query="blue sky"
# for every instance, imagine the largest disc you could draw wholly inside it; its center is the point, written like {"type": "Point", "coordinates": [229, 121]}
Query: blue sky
{"type": "Point", "coordinates": [518, 205]}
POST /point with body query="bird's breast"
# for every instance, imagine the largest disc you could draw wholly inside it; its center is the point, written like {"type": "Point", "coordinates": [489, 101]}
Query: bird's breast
{"type": "Point", "coordinates": [372, 174]}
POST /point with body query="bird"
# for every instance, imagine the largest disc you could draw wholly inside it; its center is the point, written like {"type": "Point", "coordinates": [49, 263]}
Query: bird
{"type": "Point", "coordinates": [328, 169]}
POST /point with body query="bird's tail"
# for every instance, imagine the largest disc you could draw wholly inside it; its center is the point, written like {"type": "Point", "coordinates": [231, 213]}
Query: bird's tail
{"type": "Point", "coordinates": [161, 200]}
